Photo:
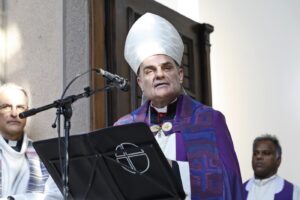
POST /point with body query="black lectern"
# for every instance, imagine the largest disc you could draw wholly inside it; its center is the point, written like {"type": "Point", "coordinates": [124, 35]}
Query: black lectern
{"type": "Point", "coordinates": [115, 163]}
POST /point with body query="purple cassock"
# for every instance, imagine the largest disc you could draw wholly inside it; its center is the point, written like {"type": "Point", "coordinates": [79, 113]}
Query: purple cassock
{"type": "Point", "coordinates": [207, 146]}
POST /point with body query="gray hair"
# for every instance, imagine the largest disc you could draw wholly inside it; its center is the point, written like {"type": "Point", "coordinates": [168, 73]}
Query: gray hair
{"type": "Point", "coordinates": [271, 138]}
{"type": "Point", "coordinates": [13, 86]}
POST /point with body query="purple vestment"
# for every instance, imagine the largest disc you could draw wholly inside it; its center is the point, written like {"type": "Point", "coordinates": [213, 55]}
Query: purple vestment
{"type": "Point", "coordinates": [208, 146]}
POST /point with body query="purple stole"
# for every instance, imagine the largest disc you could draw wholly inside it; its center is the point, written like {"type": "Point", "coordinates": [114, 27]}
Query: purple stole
{"type": "Point", "coordinates": [285, 194]}
{"type": "Point", "coordinates": [206, 144]}
{"type": "Point", "coordinates": [38, 172]}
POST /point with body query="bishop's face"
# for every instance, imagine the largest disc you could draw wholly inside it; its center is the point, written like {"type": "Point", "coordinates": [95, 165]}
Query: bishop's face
{"type": "Point", "coordinates": [160, 79]}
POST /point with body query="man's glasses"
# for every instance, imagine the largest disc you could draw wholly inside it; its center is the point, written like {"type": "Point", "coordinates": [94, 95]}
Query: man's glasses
{"type": "Point", "coordinates": [8, 108]}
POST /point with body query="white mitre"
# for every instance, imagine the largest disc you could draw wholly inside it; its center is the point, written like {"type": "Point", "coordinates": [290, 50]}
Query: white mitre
{"type": "Point", "coordinates": [151, 35]}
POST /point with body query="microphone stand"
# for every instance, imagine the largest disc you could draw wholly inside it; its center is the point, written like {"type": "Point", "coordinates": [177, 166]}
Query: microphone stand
{"type": "Point", "coordinates": [64, 107]}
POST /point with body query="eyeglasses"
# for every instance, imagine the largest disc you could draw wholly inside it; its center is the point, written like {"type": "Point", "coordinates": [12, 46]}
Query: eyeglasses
{"type": "Point", "coordinates": [5, 108]}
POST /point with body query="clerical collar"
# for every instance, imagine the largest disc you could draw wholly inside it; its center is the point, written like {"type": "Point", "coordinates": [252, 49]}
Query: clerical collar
{"type": "Point", "coordinates": [159, 115]}
{"type": "Point", "coordinates": [15, 144]}
{"type": "Point", "coordinates": [163, 109]}
{"type": "Point", "coordinates": [264, 181]}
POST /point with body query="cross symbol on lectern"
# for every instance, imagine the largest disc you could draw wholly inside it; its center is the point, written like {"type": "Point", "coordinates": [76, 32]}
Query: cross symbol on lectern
{"type": "Point", "coordinates": [132, 158]}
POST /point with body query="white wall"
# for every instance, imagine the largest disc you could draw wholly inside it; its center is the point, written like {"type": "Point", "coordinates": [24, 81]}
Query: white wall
{"type": "Point", "coordinates": [34, 55]}
{"type": "Point", "coordinates": [255, 70]}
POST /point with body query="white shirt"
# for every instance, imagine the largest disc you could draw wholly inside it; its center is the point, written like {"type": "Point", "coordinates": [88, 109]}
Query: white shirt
{"type": "Point", "coordinates": [15, 169]}
{"type": "Point", "coordinates": [168, 147]}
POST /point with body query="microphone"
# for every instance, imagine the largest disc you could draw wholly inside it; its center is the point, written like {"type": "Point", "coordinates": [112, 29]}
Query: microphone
{"type": "Point", "coordinates": [28, 113]}
{"type": "Point", "coordinates": [121, 82]}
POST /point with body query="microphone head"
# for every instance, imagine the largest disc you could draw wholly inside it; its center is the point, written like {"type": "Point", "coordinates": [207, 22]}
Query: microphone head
{"type": "Point", "coordinates": [22, 116]}
{"type": "Point", "coordinates": [125, 86]}
{"type": "Point", "coordinates": [118, 81]}
{"type": "Point", "coordinates": [99, 71]}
